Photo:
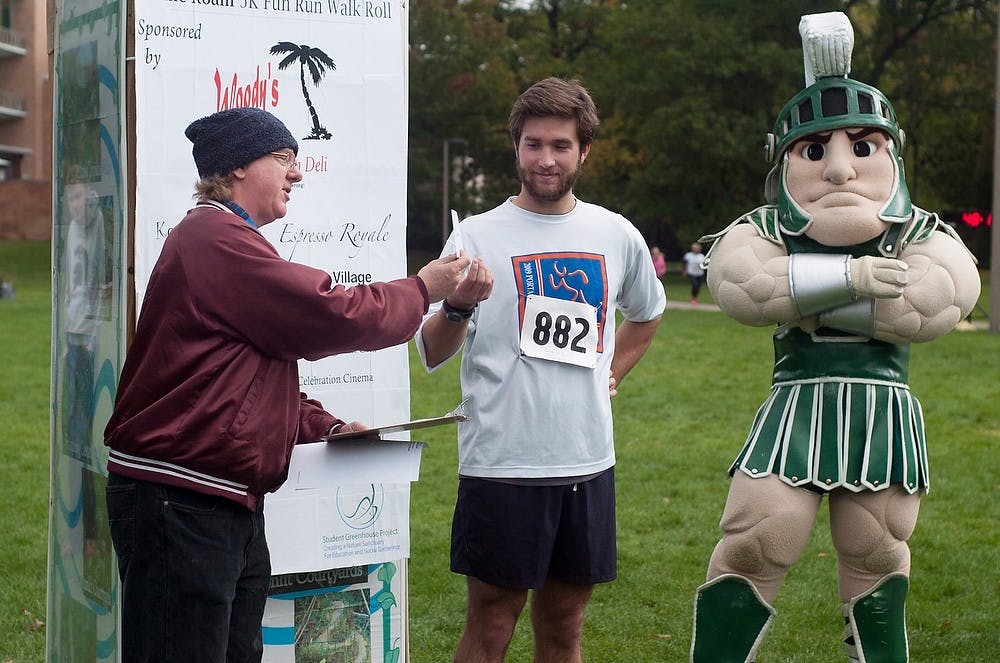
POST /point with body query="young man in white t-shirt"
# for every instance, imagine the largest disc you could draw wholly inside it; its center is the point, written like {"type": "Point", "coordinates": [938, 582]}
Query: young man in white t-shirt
{"type": "Point", "coordinates": [541, 359]}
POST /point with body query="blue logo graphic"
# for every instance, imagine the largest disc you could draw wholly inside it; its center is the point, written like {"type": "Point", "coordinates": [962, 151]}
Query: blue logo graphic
{"type": "Point", "coordinates": [573, 276]}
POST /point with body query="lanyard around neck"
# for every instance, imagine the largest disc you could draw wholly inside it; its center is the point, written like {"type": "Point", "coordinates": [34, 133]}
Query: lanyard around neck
{"type": "Point", "coordinates": [242, 213]}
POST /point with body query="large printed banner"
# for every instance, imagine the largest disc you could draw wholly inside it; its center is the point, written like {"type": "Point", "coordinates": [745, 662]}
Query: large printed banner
{"type": "Point", "coordinates": [335, 73]}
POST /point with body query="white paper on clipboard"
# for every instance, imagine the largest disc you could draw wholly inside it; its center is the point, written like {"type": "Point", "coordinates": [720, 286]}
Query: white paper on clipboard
{"type": "Point", "coordinates": [456, 233]}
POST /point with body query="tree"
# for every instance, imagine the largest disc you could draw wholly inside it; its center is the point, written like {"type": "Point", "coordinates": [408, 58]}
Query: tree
{"type": "Point", "coordinates": [317, 62]}
{"type": "Point", "coordinates": [693, 89]}
{"type": "Point", "coordinates": [935, 62]}
{"type": "Point", "coordinates": [461, 84]}
{"type": "Point", "coordinates": [687, 91]}
{"type": "Point", "coordinates": [469, 59]}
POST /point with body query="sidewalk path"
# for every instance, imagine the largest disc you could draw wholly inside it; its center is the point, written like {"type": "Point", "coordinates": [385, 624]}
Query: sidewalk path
{"type": "Point", "coordinates": [673, 303]}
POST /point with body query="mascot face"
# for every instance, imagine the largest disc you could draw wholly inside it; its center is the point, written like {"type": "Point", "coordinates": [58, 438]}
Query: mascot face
{"type": "Point", "coordinates": [841, 180]}
{"type": "Point", "coordinates": [837, 124]}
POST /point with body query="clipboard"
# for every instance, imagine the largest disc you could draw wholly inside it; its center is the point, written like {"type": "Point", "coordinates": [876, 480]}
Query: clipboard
{"type": "Point", "coordinates": [454, 416]}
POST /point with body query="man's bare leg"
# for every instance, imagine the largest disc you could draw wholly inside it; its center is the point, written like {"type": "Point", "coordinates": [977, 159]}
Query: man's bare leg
{"type": "Point", "coordinates": [557, 615]}
{"type": "Point", "coordinates": [491, 616]}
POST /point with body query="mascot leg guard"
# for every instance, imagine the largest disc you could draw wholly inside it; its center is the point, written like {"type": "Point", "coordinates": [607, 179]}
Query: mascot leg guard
{"type": "Point", "coordinates": [875, 623]}
{"type": "Point", "coordinates": [730, 620]}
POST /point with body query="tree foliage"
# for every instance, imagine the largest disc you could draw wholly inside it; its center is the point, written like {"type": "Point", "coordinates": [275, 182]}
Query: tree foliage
{"type": "Point", "coordinates": [687, 91]}
{"type": "Point", "coordinates": [461, 84]}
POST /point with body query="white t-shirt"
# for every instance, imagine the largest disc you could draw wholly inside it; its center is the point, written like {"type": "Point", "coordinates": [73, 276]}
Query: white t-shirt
{"type": "Point", "coordinates": [693, 264]}
{"type": "Point", "coordinates": [533, 417]}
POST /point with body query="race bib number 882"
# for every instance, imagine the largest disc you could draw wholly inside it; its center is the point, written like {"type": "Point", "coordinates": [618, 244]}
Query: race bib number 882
{"type": "Point", "coordinates": [560, 330]}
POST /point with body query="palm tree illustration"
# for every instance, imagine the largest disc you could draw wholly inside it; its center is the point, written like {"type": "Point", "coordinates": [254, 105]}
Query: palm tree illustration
{"type": "Point", "coordinates": [317, 62]}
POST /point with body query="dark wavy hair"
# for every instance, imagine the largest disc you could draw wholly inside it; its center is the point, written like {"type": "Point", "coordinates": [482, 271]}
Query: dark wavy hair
{"type": "Point", "coordinates": [556, 97]}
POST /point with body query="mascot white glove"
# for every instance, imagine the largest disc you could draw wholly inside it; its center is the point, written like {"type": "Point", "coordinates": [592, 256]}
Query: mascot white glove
{"type": "Point", "coordinates": [882, 278]}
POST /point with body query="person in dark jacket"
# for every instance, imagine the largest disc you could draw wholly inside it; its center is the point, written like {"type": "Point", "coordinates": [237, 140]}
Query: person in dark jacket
{"type": "Point", "coordinates": [208, 404]}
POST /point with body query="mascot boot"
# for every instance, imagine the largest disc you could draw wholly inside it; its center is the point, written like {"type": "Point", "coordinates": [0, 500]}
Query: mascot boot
{"type": "Point", "coordinates": [730, 620]}
{"type": "Point", "coordinates": [875, 623]}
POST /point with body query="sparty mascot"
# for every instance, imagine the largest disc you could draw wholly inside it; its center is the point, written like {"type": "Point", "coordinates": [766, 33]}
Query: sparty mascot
{"type": "Point", "coordinates": [850, 272]}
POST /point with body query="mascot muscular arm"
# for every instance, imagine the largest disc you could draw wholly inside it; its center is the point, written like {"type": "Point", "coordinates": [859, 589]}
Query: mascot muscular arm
{"type": "Point", "coordinates": [923, 295]}
{"type": "Point", "coordinates": [942, 290]}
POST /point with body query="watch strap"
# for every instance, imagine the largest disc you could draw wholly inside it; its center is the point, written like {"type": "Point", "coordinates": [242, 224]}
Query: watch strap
{"type": "Point", "coordinates": [456, 314]}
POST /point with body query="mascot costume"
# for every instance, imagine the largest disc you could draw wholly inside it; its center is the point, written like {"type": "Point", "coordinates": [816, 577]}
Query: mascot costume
{"type": "Point", "coordinates": [851, 273]}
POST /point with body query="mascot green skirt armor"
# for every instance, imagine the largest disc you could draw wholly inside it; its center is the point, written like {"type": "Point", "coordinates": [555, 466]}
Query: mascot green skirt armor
{"type": "Point", "coordinates": [855, 433]}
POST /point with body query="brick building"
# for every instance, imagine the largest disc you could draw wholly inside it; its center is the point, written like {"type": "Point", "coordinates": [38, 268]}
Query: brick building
{"type": "Point", "coordinates": [25, 120]}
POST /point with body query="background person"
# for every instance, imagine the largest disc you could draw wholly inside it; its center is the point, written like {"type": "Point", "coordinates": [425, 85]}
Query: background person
{"type": "Point", "coordinates": [535, 508]}
{"type": "Point", "coordinates": [659, 261]}
{"type": "Point", "coordinates": [693, 270]}
{"type": "Point", "coordinates": [208, 405]}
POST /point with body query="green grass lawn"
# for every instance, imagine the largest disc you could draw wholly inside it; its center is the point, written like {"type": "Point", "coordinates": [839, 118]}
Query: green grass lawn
{"type": "Point", "coordinates": [679, 419]}
{"type": "Point", "coordinates": [24, 448]}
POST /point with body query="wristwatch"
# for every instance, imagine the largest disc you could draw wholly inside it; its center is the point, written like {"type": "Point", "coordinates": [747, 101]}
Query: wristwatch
{"type": "Point", "coordinates": [456, 314]}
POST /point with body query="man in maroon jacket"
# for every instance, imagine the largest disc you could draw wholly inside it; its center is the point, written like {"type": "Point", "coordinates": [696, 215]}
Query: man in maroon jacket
{"type": "Point", "coordinates": [208, 404]}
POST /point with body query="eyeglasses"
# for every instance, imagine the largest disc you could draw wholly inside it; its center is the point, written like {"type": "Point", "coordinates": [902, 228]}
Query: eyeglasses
{"type": "Point", "coordinates": [287, 160]}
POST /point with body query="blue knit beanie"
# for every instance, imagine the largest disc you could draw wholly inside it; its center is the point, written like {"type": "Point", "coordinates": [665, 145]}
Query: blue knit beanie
{"type": "Point", "coordinates": [232, 138]}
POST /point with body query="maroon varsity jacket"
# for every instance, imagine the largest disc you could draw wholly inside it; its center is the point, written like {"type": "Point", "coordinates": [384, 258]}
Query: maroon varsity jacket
{"type": "Point", "coordinates": [209, 397]}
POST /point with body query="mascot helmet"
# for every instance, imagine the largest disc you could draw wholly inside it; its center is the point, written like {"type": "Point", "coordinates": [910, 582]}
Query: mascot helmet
{"type": "Point", "coordinates": [830, 101]}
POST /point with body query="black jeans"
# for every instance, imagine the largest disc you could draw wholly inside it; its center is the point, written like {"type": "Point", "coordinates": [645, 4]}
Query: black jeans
{"type": "Point", "coordinates": [195, 572]}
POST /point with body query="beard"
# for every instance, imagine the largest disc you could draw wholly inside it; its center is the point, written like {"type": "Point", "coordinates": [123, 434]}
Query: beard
{"type": "Point", "coordinates": [552, 192]}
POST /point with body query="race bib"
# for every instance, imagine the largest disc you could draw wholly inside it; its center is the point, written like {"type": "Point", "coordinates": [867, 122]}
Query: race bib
{"type": "Point", "coordinates": [560, 330]}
